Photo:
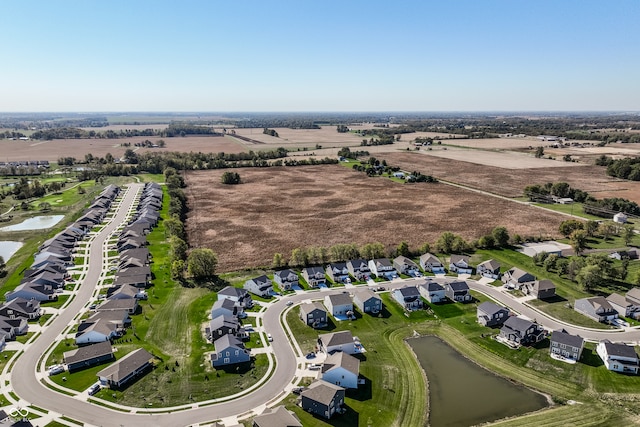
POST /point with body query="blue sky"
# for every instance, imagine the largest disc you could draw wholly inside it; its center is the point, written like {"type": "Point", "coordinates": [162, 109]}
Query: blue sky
{"type": "Point", "coordinates": [154, 55]}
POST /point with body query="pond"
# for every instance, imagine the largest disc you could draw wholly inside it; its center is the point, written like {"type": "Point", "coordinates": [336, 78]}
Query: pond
{"type": "Point", "coordinates": [35, 223]}
{"type": "Point", "coordinates": [462, 393]}
{"type": "Point", "coordinates": [7, 249]}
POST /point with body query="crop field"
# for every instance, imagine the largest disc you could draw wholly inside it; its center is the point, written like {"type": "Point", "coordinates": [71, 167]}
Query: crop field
{"type": "Point", "coordinates": [276, 210]}
{"type": "Point", "coordinates": [54, 149]}
{"type": "Point", "coordinates": [510, 182]}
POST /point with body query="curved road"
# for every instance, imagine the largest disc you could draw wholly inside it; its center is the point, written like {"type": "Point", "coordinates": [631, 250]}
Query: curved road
{"type": "Point", "coordinates": [27, 386]}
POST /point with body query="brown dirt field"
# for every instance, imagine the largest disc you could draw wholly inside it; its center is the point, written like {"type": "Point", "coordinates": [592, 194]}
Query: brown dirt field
{"type": "Point", "coordinates": [510, 182]}
{"type": "Point", "coordinates": [279, 209]}
{"type": "Point", "coordinates": [52, 150]}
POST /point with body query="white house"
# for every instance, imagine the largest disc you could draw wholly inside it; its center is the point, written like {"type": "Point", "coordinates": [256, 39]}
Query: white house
{"type": "Point", "coordinates": [618, 357]}
{"type": "Point", "coordinates": [460, 264]}
{"type": "Point", "coordinates": [432, 291]}
{"type": "Point", "coordinates": [620, 218]}
{"type": "Point", "coordinates": [260, 286]}
{"type": "Point", "coordinates": [339, 304]}
{"type": "Point", "coordinates": [337, 341]}
{"type": "Point", "coordinates": [341, 369]}
{"type": "Point", "coordinates": [382, 267]}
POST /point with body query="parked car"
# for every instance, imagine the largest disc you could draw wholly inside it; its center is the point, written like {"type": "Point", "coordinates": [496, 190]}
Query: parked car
{"type": "Point", "coordinates": [269, 337]}
{"type": "Point", "coordinates": [310, 355]}
{"type": "Point", "coordinates": [289, 302]}
{"type": "Point", "coordinates": [380, 289]}
{"type": "Point", "coordinates": [94, 389]}
{"type": "Point", "coordinates": [56, 369]}
{"type": "Point", "coordinates": [315, 367]}
{"type": "Point", "coordinates": [297, 390]}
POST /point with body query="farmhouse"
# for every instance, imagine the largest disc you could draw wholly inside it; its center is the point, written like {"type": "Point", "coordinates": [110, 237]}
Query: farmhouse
{"type": "Point", "coordinates": [367, 301]}
{"type": "Point", "coordinates": [286, 279]}
{"type": "Point", "coordinates": [339, 305]}
{"type": "Point", "coordinates": [431, 263]}
{"type": "Point", "coordinates": [313, 314]}
{"type": "Point", "coordinates": [341, 369]}
{"type": "Point", "coordinates": [126, 369]}
{"type": "Point", "coordinates": [260, 286]}
{"type": "Point", "coordinates": [566, 347]}
{"type": "Point", "coordinates": [597, 308]}
{"type": "Point", "coordinates": [432, 291]}
{"type": "Point", "coordinates": [618, 357]}
{"type": "Point", "coordinates": [322, 398]}
{"type": "Point", "coordinates": [314, 276]}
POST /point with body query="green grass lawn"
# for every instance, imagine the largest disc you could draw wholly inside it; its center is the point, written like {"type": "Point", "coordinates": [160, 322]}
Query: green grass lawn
{"type": "Point", "coordinates": [55, 304]}
{"type": "Point", "coordinates": [572, 209]}
{"type": "Point", "coordinates": [559, 310]}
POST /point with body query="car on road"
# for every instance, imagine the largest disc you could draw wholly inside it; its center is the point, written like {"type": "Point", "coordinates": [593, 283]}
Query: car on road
{"type": "Point", "coordinates": [380, 289]}
{"type": "Point", "coordinates": [269, 337]}
{"type": "Point", "coordinates": [93, 306]}
{"type": "Point", "coordinates": [289, 302]}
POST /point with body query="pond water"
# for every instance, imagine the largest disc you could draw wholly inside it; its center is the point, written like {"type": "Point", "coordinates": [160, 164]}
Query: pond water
{"type": "Point", "coordinates": [35, 223]}
{"type": "Point", "coordinates": [7, 249]}
{"type": "Point", "coordinates": [462, 393]}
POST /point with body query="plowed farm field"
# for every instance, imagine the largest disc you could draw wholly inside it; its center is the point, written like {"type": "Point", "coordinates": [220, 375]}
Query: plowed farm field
{"type": "Point", "coordinates": [275, 210]}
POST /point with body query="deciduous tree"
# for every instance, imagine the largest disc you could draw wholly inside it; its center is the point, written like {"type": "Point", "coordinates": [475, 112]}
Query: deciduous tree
{"type": "Point", "coordinates": [202, 263]}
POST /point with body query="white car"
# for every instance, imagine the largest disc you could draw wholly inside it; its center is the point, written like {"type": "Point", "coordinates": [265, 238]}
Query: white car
{"type": "Point", "coordinates": [289, 302]}
{"type": "Point", "coordinates": [56, 369]}
{"type": "Point", "coordinates": [94, 389]}
{"type": "Point", "coordinates": [269, 337]}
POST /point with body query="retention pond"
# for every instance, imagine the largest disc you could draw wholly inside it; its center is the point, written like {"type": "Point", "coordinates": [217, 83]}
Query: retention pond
{"type": "Point", "coordinates": [462, 393]}
{"type": "Point", "coordinates": [8, 248]}
{"type": "Point", "coordinates": [35, 223]}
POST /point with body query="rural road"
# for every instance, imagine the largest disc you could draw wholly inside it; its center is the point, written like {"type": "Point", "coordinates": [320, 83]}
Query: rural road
{"type": "Point", "coordinates": [27, 386]}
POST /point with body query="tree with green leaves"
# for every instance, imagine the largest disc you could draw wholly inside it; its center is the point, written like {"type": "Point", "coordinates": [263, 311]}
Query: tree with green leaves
{"type": "Point", "coordinates": [591, 227]}
{"type": "Point", "coordinates": [569, 226]}
{"type": "Point", "coordinates": [500, 236]}
{"type": "Point", "coordinates": [231, 178]}
{"type": "Point", "coordinates": [589, 277]}
{"type": "Point", "coordinates": [44, 206]}
{"type": "Point", "coordinates": [372, 250]}
{"type": "Point", "coordinates": [299, 257]}
{"type": "Point", "coordinates": [403, 249]}
{"type": "Point", "coordinates": [174, 227]}
{"type": "Point", "coordinates": [628, 233]}
{"type": "Point", "coordinates": [202, 263]}
{"type": "Point", "coordinates": [444, 243]}
{"type": "Point", "coordinates": [177, 248]}
{"type": "Point", "coordinates": [278, 260]}
{"type": "Point", "coordinates": [539, 152]}
{"type": "Point", "coordinates": [607, 229]}
{"type": "Point", "coordinates": [578, 241]}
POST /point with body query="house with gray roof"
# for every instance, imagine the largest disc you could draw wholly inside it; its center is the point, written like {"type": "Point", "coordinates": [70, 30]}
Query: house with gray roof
{"type": "Point", "coordinates": [240, 296]}
{"type": "Point", "coordinates": [521, 331]}
{"type": "Point", "coordinates": [460, 264]}
{"type": "Point", "coordinates": [406, 266]}
{"type": "Point", "coordinates": [337, 341]}
{"type": "Point", "coordinates": [597, 308]}
{"type": "Point", "coordinates": [33, 291]}
{"type": "Point", "coordinates": [432, 291]}
{"type": "Point", "coordinates": [87, 356]}
{"type": "Point", "coordinates": [323, 399]}
{"type": "Point", "coordinates": [223, 325]}
{"type": "Point", "coordinates": [98, 330]}
{"type": "Point", "coordinates": [516, 277]}
{"type": "Point", "coordinates": [341, 369]}
{"type": "Point", "coordinates": [314, 276]}
{"type": "Point", "coordinates": [566, 347]}
{"type": "Point", "coordinates": [339, 305]}
{"type": "Point", "coordinates": [139, 281]}
{"type": "Point", "coordinates": [314, 314]}
{"type": "Point", "coordinates": [408, 297]}
{"type": "Point", "coordinates": [338, 272]}
{"type": "Point", "coordinates": [226, 307]}
{"type": "Point", "coordinates": [458, 291]}
{"type": "Point", "coordinates": [367, 301]}
{"type": "Point", "coordinates": [541, 289]}
{"type": "Point", "coordinates": [126, 292]}
{"type": "Point", "coordinates": [624, 306]}
{"type": "Point", "coordinates": [491, 314]}
{"type": "Point", "coordinates": [633, 295]}
{"type": "Point", "coordinates": [382, 267]}
{"type": "Point", "coordinates": [20, 307]}
{"type": "Point", "coordinates": [13, 327]}
{"type": "Point", "coordinates": [618, 357]}
{"type": "Point", "coordinates": [229, 350]}
{"type": "Point", "coordinates": [130, 305]}
{"type": "Point", "coordinates": [359, 268]}
{"type": "Point", "coordinates": [489, 268]}
{"type": "Point", "coordinates": [131, 366]}
{"type": "Point", "coordinates": [260, 286]}
{"type": "Point", "coordinates": [286, 279]}
{"type": "Point", "coordinates": [276, 417]}
{"type": "Point", "coordinates": [431, 263]}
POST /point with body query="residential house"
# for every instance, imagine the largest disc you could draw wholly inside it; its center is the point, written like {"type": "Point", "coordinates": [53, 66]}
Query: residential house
{"type": "Point", "coordinates": [20, 307]}
{"type": "Point", "coordinates": [314, 276]}
{"type": "Point", "coordinates": [90, 355]}
{"type": "Point", "coordinates": [565, 346]}
{"type": "Point", "coordinates": [131, 366]}
{"type": "Point", "coordinates": [135, 271]}
{"type": "Point", "coordinates": [13, 327]}
{"type": "Point", "coordinates": [337, 341]}
{"type": "Point", "coordinates": [286, 279]}
{"type": "Point", "coordinates": [491, 314]}
{"type": "Point", "coordinates": [126, 292]}
{"type": "Point", "coordinates": [516, 277]}
{"type": "Point", "coordinates": [432, 291]}
{"type": "Point", "coordinates": [359, 268]}
{"type": "Point", "coordinates": [408, 297]}
{"type": "Point", "coordinates": [97, 331]}
{"type": "Point", "coordinates": [382, 267]}
{"type": "Point", "coordinates": [406, 266]}
{"type": "Point", "coordinates": [521, 331]}
{"type": "Point", "coordinates": [541, 289]}
{"type": "Point", "coordinates": [32, 291]}
{"type": "Point", "coordinates": [597, 308]}
{"type": "Point", "coordinates": [239, 296]}
{"type": "Point", "coordinates": [460, 264]}
{"type": "Point", "coordinates": [622, 305]}
{"type": "Point", "coordinates": [458, 291]}
{"type": "Point", "coordinates": [276, 417]}
{"type": "Point", "coordinates": [223, 325]}
{"type": "Point", "coordinates": [431, 263]}
{"type": "Point", "coordinates": [338, 272]}
{"type": "Point", "coordinates": [227, 307]}
{"type": "Point", "coordinates": [313, 314]}
{"type": "Point", "coordinates": [618, 357]}
{"type": "Point", "coordinates": [633, 296]}
{"type": "Point", "coordinates": [367, 301]}
{"type": "Point", "coordinates": [260, 286]}
{"type": "Point", "coordinates": [339, 305]}
{"type": "Point", "coordinates": [341, 369]}
{"type": "Point", "coordinates": [489, 269]}
{"type": "Point", "coordinates": [130, 305]}
{"type": "Point", "coordinates": [139, 281]}
{"type": "Point", "coordinates": [323, 399]}
{"type": "Point", "coordinates": [120, 318]}
{"type": "Point", "coordinates": [229, 351]}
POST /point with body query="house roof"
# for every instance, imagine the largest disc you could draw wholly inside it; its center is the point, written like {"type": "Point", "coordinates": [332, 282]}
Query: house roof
{"type": "Point", "coordinates": [336, 338]}
{"type": "Point", "coordinates": [432, 286]}
{"type": "Point", "coordinates": [113, 316]}
{"type": "Point", "coordinates": [127, 365]}
{"type": "Point", "coordinates": [619, 350]}
{"type": "Point", "coordinates": [409, 291]}
{"type": "Point", "coordinates": [310, 306]}
{"type": "Point", "coordinates": [134, 271]}
{"type": "Point", "coordinates": [634, 293]}
{"type": "Point", "coordinates": [517, 273]}
{"type": "Point", "coordinates": [228, 341]}
{"type": "Point", "coordinates": [22, 305]}
{"type": "Point", "coordinates": [88, 352]}
{"type": "Point", "coordinates": [136, 253]}
{"type": "Point", "coordinates": [261, 280]}
{"type": "Point", "coordinates": [457, 258]}
{"type": "Point", "coordinates": [101, 326]}
{"type": "Point", "coordinates": [130, 280]}
{"type": "Point", "coordinates": [118, 304]}
{"type": "Point", "coordinates": [232, 291]}
{"type": "Point", "coordinates": [337, 265]}
{"type": "Point", "coordinates": [312, 271]}
{"type": "Point", "coordinates": [597, 302]}
{"type": "Point", "coordinates": [404, 260]}
{"type": "Point", "coordinates": [321, 391]}
{"type": "Point", "coordinates": [619, 300]}
{"type": "Point", "coordinates": [223, 321]}
{"type": "Point", "coordinates": [430, 259]}
{"type": "Point", "coordinates": [340, 359]}
{"type": "Point", "coordinates": [224, 303]}
{"type": "Point", "coordinates": [517, 323]}
{"type": "Point", "coordinates": [490, 308]}
{"type": "Point", "coordinates": [358, 263]}
{"type": "Point", "coordinates": [285, 273]}
{"type": "Point", "coordinates": [365, 295]}
{"type": "Point", "coordinates": [277, 417]}
{"type": "Point", "coordinates": [543, 285]}
{"type": "Point", "coordinates": [382, 262]}
{"type": "Point", "coordinates": [490, 264]}
{"type": "Point", "coordinates": [563, 337]}
{"type": "Point", "coordinates": [128, 290]}
{"type": "Point", "coordinates": [340, 299]}
{"type": "Point", "coordinates": [458, 285]}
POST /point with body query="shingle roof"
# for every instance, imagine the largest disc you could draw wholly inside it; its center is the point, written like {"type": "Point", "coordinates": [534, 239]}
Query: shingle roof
{"type": "Point", "coordinates": [277, 417]}
{"type": "Point", "coordinates": [340, 299]}
{"type": "Point", "coordinates": [307, 308]}
{"type": "Point", "coordinates": [342, 360]}
{"type": "Point", "coordinates": [409, 291]}
{"type": "Point", "coordinates": [88, 352]}
{"type": "Point", "coordinates": [336, 338]}
{"type": "Point", "coordinates": [490, 264]}
{"type": "Point", "coordinates": [563, 337]}
{"type": "Point", "coordinates": [321, 391]}
{"type": "Point", "coordinates": [620, 350]}
{"type": "Point", "coordinates": [432, 286]}
{"type": "Point", "coordinates": [490, 307]}
{"type": "Point", "coordinates": [458, 286]}
{"type": "Point", "coordinates": [127, 365]}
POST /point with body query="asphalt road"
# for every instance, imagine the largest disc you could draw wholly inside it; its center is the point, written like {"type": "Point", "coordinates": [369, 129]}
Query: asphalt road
{"type": "Point", "coordinates": [27, 386]}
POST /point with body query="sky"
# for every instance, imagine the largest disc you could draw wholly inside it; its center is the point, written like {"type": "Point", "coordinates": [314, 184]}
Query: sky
{"type": "Point", "coordinates": [285, 56]}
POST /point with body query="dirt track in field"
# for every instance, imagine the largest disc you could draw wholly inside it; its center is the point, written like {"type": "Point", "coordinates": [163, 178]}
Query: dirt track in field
{"type": "Point", "coordinates": [279, 209]}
